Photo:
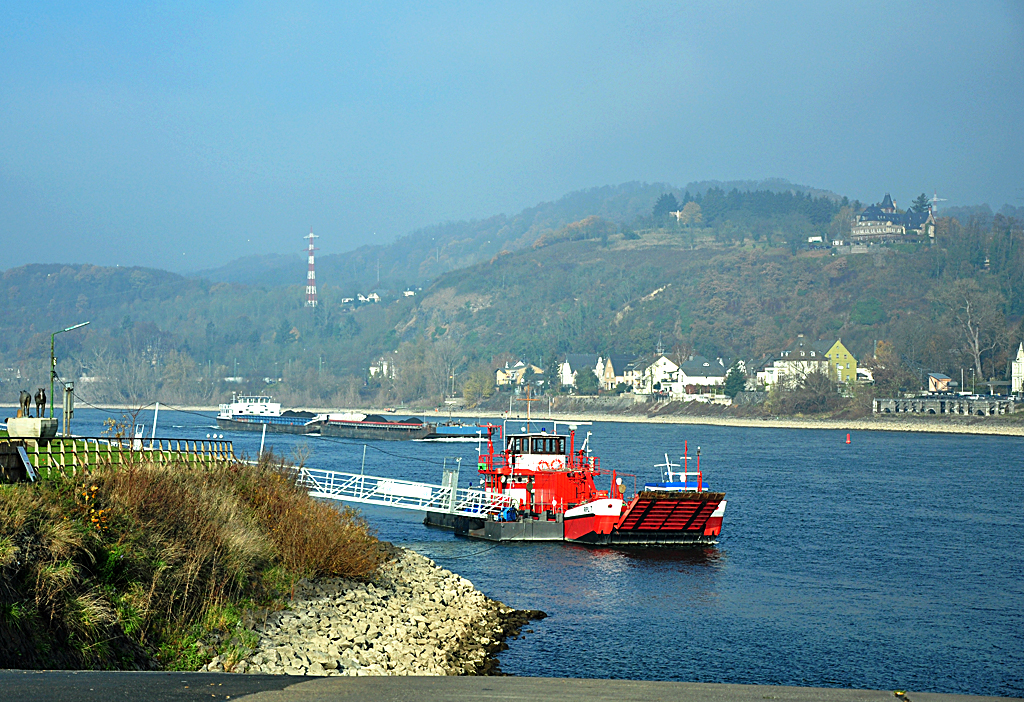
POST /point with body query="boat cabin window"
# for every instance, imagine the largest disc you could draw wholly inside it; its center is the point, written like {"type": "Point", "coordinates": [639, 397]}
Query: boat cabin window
{"type": "Point", "coordinates": [548, 444]}
{"type": "Point", "coordinates": [537, 444]}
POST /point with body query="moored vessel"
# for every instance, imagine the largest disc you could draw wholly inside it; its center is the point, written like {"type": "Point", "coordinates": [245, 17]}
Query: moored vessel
{"type": "Point", "coordinates": [355, 425]}
{"type": "Point", "coordinates": [254, 412]}
{"type": "Point", "coordinates": [551, 485]}
{"type": "Point", "coordinates": [458, 431]}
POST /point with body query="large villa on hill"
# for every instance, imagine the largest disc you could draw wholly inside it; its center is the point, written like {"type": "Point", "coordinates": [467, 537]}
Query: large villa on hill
{"type": "Point", "coordinates": [884, 222]}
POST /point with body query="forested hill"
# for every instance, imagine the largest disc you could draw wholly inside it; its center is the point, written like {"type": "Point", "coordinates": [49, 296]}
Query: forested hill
{"type": "Point", "coordinates": [734, 277]}
{"type": "Point", "coordinates": [427, 253]}
{"type": "Point", "coordinates": [741, 300]}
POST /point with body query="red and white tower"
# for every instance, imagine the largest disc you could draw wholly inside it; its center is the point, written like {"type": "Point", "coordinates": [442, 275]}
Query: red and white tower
{"type": "Point", "coordinates": [311, 274]}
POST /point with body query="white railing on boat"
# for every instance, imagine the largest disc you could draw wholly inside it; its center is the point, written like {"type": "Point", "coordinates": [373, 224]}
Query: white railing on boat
{"type": "Point", "coordinates": [447, 498]}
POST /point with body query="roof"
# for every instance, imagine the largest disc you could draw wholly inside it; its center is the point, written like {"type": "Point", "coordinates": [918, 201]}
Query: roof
{"type": "Point", "coordinates": [939, 376]}
{"type": "Point", "coordinates": [581, 360]}
{"type": "Point", "coordinates": [909, 220]}
{"type": "Point", "coordinates": [887, 203]}
{"type": "Point", "coordinates": [699, 365]}
{"type": "Point", "coordinates": [618, 363]}
{"type": "Point", "coordinates": [639, 364]}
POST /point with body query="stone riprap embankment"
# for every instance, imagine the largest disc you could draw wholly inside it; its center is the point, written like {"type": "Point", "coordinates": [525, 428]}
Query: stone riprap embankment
{"type": "Point", "coordinates": [414, 619]}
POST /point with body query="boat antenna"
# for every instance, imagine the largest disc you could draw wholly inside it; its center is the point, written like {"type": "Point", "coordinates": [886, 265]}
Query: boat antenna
{"type": "Point", "coordinates": [528, 400]}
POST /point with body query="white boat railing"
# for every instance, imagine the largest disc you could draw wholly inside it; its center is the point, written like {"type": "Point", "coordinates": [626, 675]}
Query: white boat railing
{"type": "Point", "coordinates": [402, 494]}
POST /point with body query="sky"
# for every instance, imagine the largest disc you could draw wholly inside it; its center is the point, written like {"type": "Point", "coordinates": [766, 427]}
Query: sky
{"type": "Point", "coordinates": [185, 135]}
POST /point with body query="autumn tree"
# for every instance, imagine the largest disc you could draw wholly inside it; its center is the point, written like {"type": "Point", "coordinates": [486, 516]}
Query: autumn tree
{"type": "Point", "coordinates": [479, 385]}
{"type": "Point", "coordinates": [890, 373]}
{"type": "Point", "coordinates": [691, 215]}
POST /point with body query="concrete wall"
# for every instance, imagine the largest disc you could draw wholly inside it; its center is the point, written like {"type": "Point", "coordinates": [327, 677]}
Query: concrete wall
{"type": "Point", "coordinates": [975, 406]}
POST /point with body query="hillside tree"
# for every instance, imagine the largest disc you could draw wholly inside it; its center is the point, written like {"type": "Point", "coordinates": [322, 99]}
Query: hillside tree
{"type": "Point", "coordinates": [587, 382]}
{"type": "Point", "coordinates": [975, 317]}
{"type": "Point", "coordinates": [735, 381]}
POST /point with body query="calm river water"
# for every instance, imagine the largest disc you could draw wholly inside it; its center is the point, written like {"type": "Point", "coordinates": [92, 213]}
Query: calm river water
{"type": "Point", "coordinates": [895, 562]}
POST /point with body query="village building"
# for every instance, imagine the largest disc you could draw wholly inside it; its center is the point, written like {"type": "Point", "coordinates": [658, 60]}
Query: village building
{"type": "Point", "coordinates": [615, 370]}
{"type": "Point", "coordinates": [842, 363]}
{"type": "Point", "coordinates": [698, 372]}
{"type": "Point", "coordinates": [381, 368]}
{"type": "Point", "coordinates": [884, 222]}
{"type": "Point", "coordinates": [514, 374]}
{"type": "Point", "coordinates": [1017, 372]}
{"type": "Point", "coordinates": [804, 358]}
{"type": "Point", "coordinates": [575, 362]}
{"type": "Point", "coordinates": [938, 382]}
{"type": "Point", "coordinates": [653, 377]}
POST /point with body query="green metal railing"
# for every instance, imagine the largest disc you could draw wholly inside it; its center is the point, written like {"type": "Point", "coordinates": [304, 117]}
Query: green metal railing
{"type": "Point", "coordinates": [68, 456]}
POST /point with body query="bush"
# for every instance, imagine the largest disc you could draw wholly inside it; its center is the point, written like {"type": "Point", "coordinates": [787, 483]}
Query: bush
{"type": "Point", "coordinates": [812, 394]}
{"type": "Point", "coordinates": [132, 567]}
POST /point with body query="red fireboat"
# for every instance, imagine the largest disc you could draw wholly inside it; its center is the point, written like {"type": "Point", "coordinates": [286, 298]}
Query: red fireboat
{"type": "Point", "coordinates": [551, 483]}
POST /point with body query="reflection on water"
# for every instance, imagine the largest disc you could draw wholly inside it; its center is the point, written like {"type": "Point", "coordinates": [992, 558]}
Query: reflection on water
{"type": "Point", "coordinates": [839, 565]}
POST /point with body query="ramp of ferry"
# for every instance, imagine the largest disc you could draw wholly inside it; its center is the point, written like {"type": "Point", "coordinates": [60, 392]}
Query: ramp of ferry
{"type": "Point", "coordinates": [446, 498]}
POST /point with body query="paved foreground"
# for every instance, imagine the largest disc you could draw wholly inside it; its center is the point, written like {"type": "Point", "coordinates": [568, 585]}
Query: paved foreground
{"type": "Point", "coordinates": [89, 686]}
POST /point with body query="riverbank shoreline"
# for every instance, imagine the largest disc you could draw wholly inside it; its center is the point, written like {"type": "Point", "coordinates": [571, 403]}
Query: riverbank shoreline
{"type": "Point", "coordinates": [991, 426]}
{"type": "Point", "coordinates": [414, 618]}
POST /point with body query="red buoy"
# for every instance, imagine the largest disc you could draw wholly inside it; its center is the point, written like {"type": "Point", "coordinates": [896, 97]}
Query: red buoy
{"type": "Point", "coordinates": [847, 438]}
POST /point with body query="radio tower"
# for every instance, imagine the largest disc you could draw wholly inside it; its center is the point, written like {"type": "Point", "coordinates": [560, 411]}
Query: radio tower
{"type": "Point", "coordinates": [311, 274]}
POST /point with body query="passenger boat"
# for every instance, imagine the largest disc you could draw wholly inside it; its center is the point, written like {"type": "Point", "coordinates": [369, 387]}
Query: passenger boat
{"type": "Point", "coordinates": [254, 412]}
{"type": "Point", "coordinates": [551, 483]}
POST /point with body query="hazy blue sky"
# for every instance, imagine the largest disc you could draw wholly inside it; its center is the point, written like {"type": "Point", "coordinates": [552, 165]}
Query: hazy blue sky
{"type": "Point", "coordinates": [183, 135]}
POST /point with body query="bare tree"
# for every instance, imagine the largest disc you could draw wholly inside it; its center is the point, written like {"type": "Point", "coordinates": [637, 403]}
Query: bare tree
{"type": "Point", "coordinates": [976, 318]}
{"type": "Point", "coordinates": [444, 362]}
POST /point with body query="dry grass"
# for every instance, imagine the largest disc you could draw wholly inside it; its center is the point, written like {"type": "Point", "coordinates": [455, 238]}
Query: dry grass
{"type": "Point", "coordinates": [312, 538]}
{"type": "Point", "coordinates": [136, 563]}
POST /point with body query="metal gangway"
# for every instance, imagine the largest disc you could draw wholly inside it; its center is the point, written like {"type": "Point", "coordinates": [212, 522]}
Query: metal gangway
{"type": "Point", "coordinates": [447, 498]}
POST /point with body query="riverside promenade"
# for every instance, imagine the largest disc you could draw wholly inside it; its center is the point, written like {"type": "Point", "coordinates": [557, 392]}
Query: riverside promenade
{"type": "Point", "coordinates": [97, 686]}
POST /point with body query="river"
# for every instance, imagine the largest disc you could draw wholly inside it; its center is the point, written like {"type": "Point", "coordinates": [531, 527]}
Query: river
{"type": "Point", "coordinates": [892, 562]}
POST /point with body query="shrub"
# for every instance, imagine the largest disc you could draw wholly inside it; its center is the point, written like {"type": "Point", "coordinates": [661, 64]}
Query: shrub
{"type": "Point", "coordinates": [132, 566]}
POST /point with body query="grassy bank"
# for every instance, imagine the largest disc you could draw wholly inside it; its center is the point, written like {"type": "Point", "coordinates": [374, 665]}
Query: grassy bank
{"type": "Point", "coordinates": [148, 566]}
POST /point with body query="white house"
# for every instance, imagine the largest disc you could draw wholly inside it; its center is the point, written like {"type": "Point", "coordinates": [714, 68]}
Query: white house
{"type": "Point", "coordinates": [381, 368]}
{"type": "Point", "coordinates": [574, 362]}
{"type": "Point", "coordinates": [1017, 375]}
{"type": "Point", "coordinates": [798, 361]}
{"type": "Point", "coordinates": [654, 376]}
{"type": "Point", "coordinates": [697, 370]}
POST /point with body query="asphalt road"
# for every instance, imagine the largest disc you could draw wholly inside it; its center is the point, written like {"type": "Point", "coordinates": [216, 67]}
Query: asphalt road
{"type": "Point", "coordinates": [86, 686]}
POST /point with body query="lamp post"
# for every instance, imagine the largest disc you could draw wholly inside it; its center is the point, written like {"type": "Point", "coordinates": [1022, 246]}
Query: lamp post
{"type": "Point", "coordinates": [53, 360]}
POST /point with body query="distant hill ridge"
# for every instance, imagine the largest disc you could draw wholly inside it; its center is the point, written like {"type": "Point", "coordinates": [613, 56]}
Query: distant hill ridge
{"type": "Point", "coordinates": [429, 252]}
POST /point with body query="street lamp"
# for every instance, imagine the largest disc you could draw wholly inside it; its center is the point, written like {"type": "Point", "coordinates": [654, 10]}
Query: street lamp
{"type": "Point", "coordinates": [53, 360]}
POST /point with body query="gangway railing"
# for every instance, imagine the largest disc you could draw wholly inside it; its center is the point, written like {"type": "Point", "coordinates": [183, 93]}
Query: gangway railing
{"type": "Point", "coordinates": [402, 494]}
